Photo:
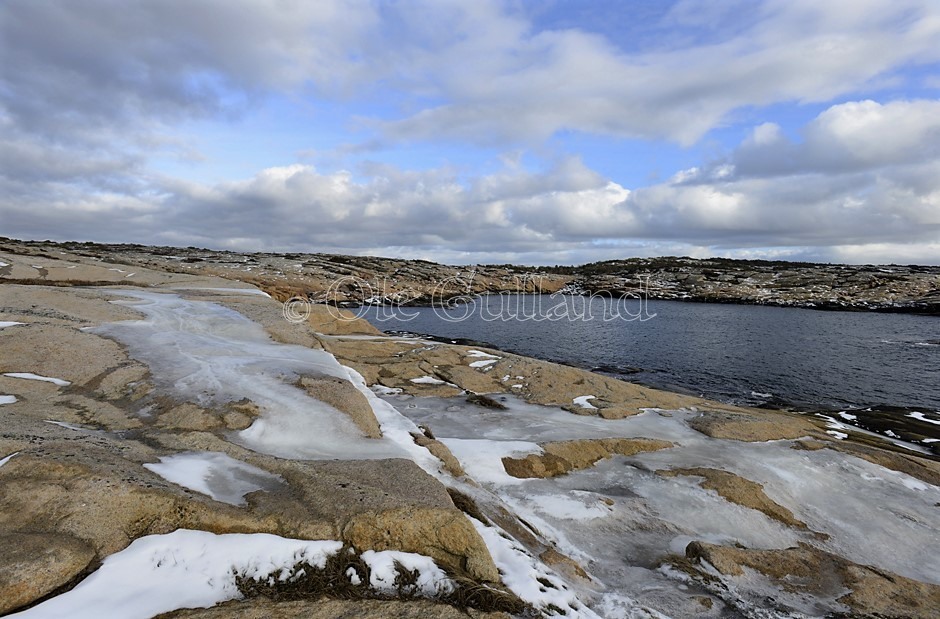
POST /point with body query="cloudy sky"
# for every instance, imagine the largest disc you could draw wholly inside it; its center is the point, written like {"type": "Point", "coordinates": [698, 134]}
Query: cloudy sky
{"type": "Point", "coordinates": [536, 132]}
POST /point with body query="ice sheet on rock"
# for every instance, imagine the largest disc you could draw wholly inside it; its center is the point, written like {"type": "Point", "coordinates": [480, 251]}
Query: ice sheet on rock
{"type": "Point", "coordinates": [482, 459]}
{"type": "Point", "coordinates": [209, 354]}
{"type": "Point", "coordinates": [521, 421]}
{"type": "Point", "coordinates": [47, 379]}
{"type": "Point", "coordinates": [431, 580]}
{"type": "Point", "coordinates": [214, 474]}
{"type": "Point", "coordinates": [184, 569]}
{"type": "Point", "coordinates": [9, 323]}
{"type": "Point", "coordinates": [873, 515]}
{"type": "Point", "coordinates": [7, 399]}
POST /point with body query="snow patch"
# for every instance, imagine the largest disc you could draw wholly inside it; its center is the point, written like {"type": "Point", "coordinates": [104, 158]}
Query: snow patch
{"type": "Point", "coordinates": [481, 355]}
{"type": "Point", "coordinates": [484, 363]}
{"type": "Point", "coordinates": [7, 459]}
{"type": "Point", "coordinates": [847, 416]}
{"type": "Point", "coordinates": [431, 580]}
{"type": "Point", "coordinates": [920, 416]}
{"type": "Point", "coordinates": [8, 323]}
{"type": "Point", "coordinates": [7, 399]}
{"type": "Point", "coordinates": [184, 569]}
{"type": "Point", "coordinates": [427, 380]}
{"type": "Point", "coordinates": [30, 376]}
{"type": "Point", "coordinates": [582, 401]}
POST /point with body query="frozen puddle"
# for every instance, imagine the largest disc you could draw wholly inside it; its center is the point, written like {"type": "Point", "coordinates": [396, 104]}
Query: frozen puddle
{"type": "Point", "coordinates": [214, 474]}
{"type": "Point", "coordinates": [619, 518]}
{"type": "Point", "coordinates": [205, 353]}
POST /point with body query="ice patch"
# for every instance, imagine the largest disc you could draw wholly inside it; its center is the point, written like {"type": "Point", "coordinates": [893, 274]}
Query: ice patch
{"type": "Point", "coordinates": [7, 399]}
{"type": "Point", "coordinates": [483, 459]}
{"type": "Point", "coordinates": [891, 434]}
{"type": "Point", "coordinates": [30, 376]}
{"type": "Point", "coordinates": [480, 354]}
{"type": "Point", "coordinates": [920, 416]}
{"type": "Point", "coordinates": [214, 474]}
{"type": "Point", "coordinates": [758, 394]}
{"type": "Point", "coordinates": [208, 354]}
{"type": "Point", "coordinates": [4, 264]}
{"type": "Point", "coordinates": [576, 506]}
{"type": "Point", "coordinates": [837, 434]}
{"type": "Point", "coordinates": [7, 323]}
{"type": "Point", "coordinates": [378, 389]}
{"type": "Point", "coordinates": [484, 363]}
{"type": "Point", "coordinates": [847, 416]}
{"type": "Point", "coordinates": [431, 581]}
{"type": "Point", "coordinates": [930, 440]}
{"type": "Point", "coordinates": [427, 380]}
{"type": "Point", "coordinates": [184, 569]}
{"type": "Point", "coordinates": [7, 459]}
{"type": "Point", "coordinates": [582, 401]}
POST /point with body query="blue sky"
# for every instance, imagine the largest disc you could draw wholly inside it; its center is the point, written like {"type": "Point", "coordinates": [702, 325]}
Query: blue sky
{"type": "Point", "coordinates": [535, 132]}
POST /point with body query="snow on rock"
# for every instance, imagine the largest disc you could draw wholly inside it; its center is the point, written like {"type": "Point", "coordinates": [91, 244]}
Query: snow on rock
{"type": "Point", "coordinates": [481, 355]}
{"type": "Point", "coordinates": [920, 416]}
{"type": "Point", "coordinates": [431, 580]}
{"type": "Point", "coordinates": [837, 434]}
{"type": "Point", "coordinates": [9, 323]}
{"type": "Point", "coordinates": [383, 390]}
{"type": "Point", "coordinates": [7, 459]}
{"type": "Point", "coordinates": [524, 576]}
{"type": "Point", "coordinates": [484, 363]}
{"type": "Point", "coordinates": [7, 399]}
{"type": "Point", "coordinates": [847, 416]}
{"type": "Point", "coordinates": [30, 376]}
{"type": "Point", "coordinates": [583, 402]}
{"type": "Point", "coordinates": [427, 380]}
{"type": "Point", "coordinates": [184, 569]}
{"type": "Point", "coordinates": [214, 474]}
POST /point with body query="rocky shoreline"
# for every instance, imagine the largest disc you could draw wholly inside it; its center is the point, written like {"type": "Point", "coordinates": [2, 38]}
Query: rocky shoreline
{"type": "Point", "coordinates": [148, 412]}
{"type": "Point", "coordinates": [350, 281]}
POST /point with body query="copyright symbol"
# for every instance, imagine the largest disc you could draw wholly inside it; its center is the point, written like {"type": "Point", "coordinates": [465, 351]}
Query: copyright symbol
{"type": "Point", "coordinates": [296, 310]}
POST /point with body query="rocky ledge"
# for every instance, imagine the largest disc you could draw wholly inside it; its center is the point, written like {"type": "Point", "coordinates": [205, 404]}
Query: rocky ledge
{"type": "Point", "coordinates": [171, 446]}
{"type": "Point", "coordinates": [355, 280]}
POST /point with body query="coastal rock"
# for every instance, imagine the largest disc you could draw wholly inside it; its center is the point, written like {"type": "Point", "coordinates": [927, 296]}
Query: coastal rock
{"type": "Point", "coordinates": [738, 490]}
{"type": "Point", "coordinates": [562, 457]}
{"type": "Point", "coordinates": [343, 396]}
{"type": "Point", "coordinates": [34, 565]}
{"type": "Point", "coordinates": [444, 535]}
{"type": "Point", "coordinates": [261, 608]}
{"type": "Point", "coordinates": [806, 569]}
{"type": "Point", "coordinates": [752, 425]}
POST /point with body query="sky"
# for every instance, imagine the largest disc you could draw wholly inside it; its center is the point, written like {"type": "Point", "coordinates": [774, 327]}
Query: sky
{"type": "Point", "coordinates": [552, 132]}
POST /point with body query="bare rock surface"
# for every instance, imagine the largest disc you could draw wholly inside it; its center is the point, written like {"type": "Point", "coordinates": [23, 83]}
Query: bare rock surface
{"type": "Point", "coordinates": [35, 565]}
{"type": "Point", "coordinates": [563, 457]}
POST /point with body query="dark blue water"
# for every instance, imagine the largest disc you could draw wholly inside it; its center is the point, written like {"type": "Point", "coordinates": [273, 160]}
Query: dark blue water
{"type": "Point", "coordinates": [735, 353]}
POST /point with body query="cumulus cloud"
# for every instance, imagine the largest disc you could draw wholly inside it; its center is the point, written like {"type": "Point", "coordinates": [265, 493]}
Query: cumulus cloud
{"type": "Point", "coordinates": [91, 93]}
{"type": "Point", "coordinates": [857, 205]}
